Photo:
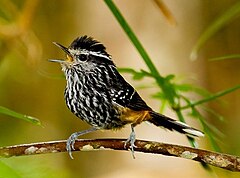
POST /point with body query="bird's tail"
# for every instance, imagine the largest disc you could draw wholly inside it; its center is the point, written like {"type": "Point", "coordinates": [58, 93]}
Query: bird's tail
{"type": "Point", "coordinates": [171, 124]}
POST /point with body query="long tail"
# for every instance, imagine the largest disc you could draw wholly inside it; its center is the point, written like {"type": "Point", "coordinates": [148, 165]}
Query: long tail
{"type": "Point", "coordinates": [171, 124]}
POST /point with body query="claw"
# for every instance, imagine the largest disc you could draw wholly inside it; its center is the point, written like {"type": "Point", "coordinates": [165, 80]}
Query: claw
{"type": "Point", "coordinates": [71, 140]}
{"type": "Point", "coordinates": [70, 143]}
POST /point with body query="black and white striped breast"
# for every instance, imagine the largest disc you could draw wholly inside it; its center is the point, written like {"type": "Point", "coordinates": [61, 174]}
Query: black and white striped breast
{"type": "Point", "coordinates": [88, 96]}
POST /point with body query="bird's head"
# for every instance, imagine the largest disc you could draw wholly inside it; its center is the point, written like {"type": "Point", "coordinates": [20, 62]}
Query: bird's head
{"type": "Point", "coordinates": [85, 53]}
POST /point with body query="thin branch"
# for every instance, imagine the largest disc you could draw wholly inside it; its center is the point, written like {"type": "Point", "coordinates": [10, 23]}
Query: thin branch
{"type": "Point", "coordinates": [220, 160]}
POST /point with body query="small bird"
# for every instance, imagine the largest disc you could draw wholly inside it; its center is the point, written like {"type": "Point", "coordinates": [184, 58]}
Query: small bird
{"type": "Point", "coordinates": [97, 94]}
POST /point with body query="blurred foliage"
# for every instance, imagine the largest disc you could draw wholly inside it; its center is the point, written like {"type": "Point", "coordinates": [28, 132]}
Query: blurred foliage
{"type": "Point", "coordinates": [224, 19]}
{"type": "Point", "coordinates": [15, 30]}
{"type": "Point", "coordinates": [18, 40]}
{"type": "Point", "coordinates": [232, 56]}
{"type": "Point", "coordinates": [16, 34]}
{"type": "Point", "coordinates": [7, 172]}
{"type": "Point", "coordinates": [166, 12]}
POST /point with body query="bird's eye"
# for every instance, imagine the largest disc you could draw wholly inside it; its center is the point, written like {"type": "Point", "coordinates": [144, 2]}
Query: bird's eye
{"type": "Point", "coordinates": [82, 57]}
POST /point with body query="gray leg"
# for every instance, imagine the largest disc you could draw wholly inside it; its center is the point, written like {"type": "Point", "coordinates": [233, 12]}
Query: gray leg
{"type": "Point", "coordinates": [131, 139]}
{"type": "Point", "coordinates": [73, 137]}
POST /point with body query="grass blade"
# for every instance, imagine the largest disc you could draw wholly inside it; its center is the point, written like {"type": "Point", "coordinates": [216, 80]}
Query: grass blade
{"type": "Point", "coordinates": [232, 56]}
{"type": "Point", "coordinates": [219, 23]}
{"type": "Point", "coordinates": [17, 115]}
{"type": "Point", "coordinates": [133, 38]}
{"type": "Point", "coordinates": [166, 86]}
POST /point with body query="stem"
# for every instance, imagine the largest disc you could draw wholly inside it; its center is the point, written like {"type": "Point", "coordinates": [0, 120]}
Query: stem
{"type": "Point", "coordinates": [134, 39]}
{"type": "Point", "coordinates": [161, 81]}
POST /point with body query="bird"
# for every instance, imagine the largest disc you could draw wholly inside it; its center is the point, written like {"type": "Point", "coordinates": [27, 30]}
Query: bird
{"type": "Point", "coordinates": [99, 95]}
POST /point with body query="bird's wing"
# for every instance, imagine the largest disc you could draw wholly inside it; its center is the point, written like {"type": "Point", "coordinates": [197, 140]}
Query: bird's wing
{"type": "Point", "coordinates": [127, 96]}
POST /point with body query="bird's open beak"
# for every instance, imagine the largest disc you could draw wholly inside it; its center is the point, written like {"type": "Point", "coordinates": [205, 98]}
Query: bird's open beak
{"type": "Point", "coordinates": [62, 48]}
{"type": "Point", "coordinates": [69, 56]}
{"type": "Point", "coordinates": [56, 60]}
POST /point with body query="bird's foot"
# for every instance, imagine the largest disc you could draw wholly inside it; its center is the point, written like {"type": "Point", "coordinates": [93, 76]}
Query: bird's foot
{"type": "Point", "coordinates": [70, 143]}
{"type": "Point", "coordinates": [71, 140]}
{"type": "Point", "coordinates": [131, 140]}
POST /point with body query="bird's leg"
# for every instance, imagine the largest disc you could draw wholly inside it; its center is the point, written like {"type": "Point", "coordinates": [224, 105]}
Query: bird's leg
{"type": "Point", "coordinates": [131, 139]}
{"type": "Point", "coordinates": [73, 137]}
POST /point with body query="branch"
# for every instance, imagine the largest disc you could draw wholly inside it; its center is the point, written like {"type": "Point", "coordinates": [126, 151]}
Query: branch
{"type": "Point", "coordinates": [220, 160]}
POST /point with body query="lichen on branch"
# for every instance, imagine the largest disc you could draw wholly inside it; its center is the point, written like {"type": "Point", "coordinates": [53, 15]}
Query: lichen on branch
{"type": "Point", "coordinates": [225, 161]}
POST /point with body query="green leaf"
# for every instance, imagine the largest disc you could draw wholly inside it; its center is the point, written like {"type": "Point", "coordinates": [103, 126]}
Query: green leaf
{"type": "Point", "coordinates": [183, 87]}
{"type": "Point", "coordinates": [169, 77]}
{"type": "Point", "coordinates": [218, 24]}
{"type": "Point", "coordinates": [136, 75]}
{"type": "Point", "coordinates": [163, 105]}
{"type": "Point", "coordinates": [213, 113]}
{"type": "Point", "coordinates": [126, 70]}
{"type": "Point", "coordinates": [201, 91]}
{"type": "Point", "coordinates": [159, 95]}
{"type": "Point", "coordinates": [232, 56]}
{"type": "Point", "coordinates": [17, 115]}
{"type": "Point", "coordinates": [190, 88]}
{"type": "Point", "coordinates": [212, 97]}
{"type": "Point", "coordinates": [214, 130]}
{"type": "Point", "coordinates": [206, 129]}
{"type": "Point", "coordinates": [7, 172]}
{"type": "Point", "coordinates": [145, 86]}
